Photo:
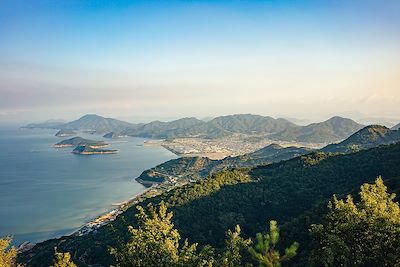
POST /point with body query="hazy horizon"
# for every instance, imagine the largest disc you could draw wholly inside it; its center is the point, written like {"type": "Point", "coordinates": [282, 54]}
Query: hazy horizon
{"type": "Point", "coordinates": [146, 60]}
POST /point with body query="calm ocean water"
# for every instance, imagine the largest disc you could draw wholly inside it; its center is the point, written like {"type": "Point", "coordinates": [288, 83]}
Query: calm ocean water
{"type": "Point", "coordinates": [47, 192]}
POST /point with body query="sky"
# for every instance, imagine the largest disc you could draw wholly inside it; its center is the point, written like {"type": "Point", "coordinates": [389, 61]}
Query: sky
{"type": "Point", "coordinates": [142, 60]}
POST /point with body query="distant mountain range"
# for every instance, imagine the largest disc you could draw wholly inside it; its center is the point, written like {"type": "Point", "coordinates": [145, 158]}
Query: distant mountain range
{"type": "Point", "coordinates": [49, 124]}
{"type": "Point", "coordinates": [332, 130]}
{"type": "Point", "coordinates": [97, 123]}
{"type": "Point", "coordinates": [159, 129]}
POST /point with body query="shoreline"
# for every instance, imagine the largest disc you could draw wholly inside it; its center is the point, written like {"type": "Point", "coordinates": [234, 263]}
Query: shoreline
{"type": "Point", "coordinates": [110, 215]}
{"type": "Point", "coordinates": [102, 219]}
{"type": "Point", "coordinates": [104, 214]}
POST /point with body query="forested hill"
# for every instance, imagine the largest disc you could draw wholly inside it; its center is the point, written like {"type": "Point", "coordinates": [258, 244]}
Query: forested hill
{"type": "Point", "coordinates": [288, 191]}
{"type": "Point", "coordinates": [97, 123]}
{"type": "Point", "coordinates": [194, 168]}
{"type": "Point", "coordinates": [368, 137]}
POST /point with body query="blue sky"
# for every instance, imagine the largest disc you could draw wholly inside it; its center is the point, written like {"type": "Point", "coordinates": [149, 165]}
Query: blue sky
{"type": "Point", "coordinates": [138, 59]}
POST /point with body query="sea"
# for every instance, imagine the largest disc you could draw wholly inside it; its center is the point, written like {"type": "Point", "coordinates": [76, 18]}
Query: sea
{"type": "Point", "coordinates": [47, 192]}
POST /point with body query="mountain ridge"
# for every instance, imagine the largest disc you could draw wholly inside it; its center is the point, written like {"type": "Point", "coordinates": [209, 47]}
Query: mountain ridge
{"type": "Point", "coordinates": [332, 130]}
{"type": "Point", "coordinates": [368, 137]}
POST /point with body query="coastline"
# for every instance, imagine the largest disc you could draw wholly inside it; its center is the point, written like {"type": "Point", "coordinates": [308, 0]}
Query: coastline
{"type": "Point", "coordinates": [38, 150]}
{"type": "Point", "coordinates": [112, 214]}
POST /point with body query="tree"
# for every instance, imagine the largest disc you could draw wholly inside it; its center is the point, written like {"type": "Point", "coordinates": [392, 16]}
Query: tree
{"type": "Point", "coordinates": [235, 247]}
{"type": "Point", "coordinates": [62, 259]}
{"type": "Point", "coordinates": [156, 243]}
{"type": "Point", "coordinates": [366, 233]}
{"type": "Point", "coordinates": [8, 254]}
{"type": "Point", "coordinates": [264, 251]}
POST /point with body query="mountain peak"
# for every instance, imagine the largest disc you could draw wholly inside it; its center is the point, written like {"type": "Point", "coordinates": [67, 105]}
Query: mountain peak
{"type": "Point", "coordinates": [338, 119]}
{"type": "Point", "coordinates": [91, 116]}
{"type": "Point", "coordinates": [367, 137]}
{"type": "Point", "coordinates": [274, 146]}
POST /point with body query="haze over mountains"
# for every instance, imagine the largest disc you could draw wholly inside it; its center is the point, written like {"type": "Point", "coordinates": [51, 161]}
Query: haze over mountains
{"type": "Point", "coordinates": [332, 130]}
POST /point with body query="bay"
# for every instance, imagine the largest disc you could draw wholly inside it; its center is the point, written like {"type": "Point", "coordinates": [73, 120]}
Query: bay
{"type": "Point", "coordinates": [47, 192]}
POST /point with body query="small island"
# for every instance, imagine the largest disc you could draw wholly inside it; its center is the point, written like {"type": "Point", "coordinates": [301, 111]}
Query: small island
{"type": "Point", "coordinates": [113, 135]}
{"type": "Point", "coordinates": [65, 133]}
{"type": "Point", "coordinates": [88, 150]}
{"type": "Point", "coordinates": [79, 141]}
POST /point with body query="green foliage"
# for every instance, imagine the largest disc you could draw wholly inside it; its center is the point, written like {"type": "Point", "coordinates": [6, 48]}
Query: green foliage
{"type": "Point", "coordinates": [314, 158]}
{"type": "Point", "coordinates": [186, 168]}
{"type": "Point", "coordinates": [7, 254]}
{"type": "Point", "coordinates": [366, 233]}
{"type": "Point", "coordinates": [62, 260]}
{"type": "Point", "coordinates": [265, 252]}
{"type": "Point", "coordinates": [235, 247]}
{"type": "Point", "coordinates": [156, 243]}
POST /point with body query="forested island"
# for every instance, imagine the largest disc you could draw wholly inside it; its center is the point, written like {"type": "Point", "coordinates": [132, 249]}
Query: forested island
{"type": "Point", "coordinates": [88, 150]}
{"type": "Point", "coordinates": [65, 133]}
{"type": "Point", "coordinates": [79, 141]}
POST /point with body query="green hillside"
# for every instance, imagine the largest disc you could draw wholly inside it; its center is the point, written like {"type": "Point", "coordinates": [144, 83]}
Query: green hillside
{"type": "Point", "coordinates": [185, 168]}
{"type": "Point", "coordinates": [194, 168]}
{"type": "Point", "coordinates": [368, 137]}
{"type": "Point", "coordinates": [290, 192]}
